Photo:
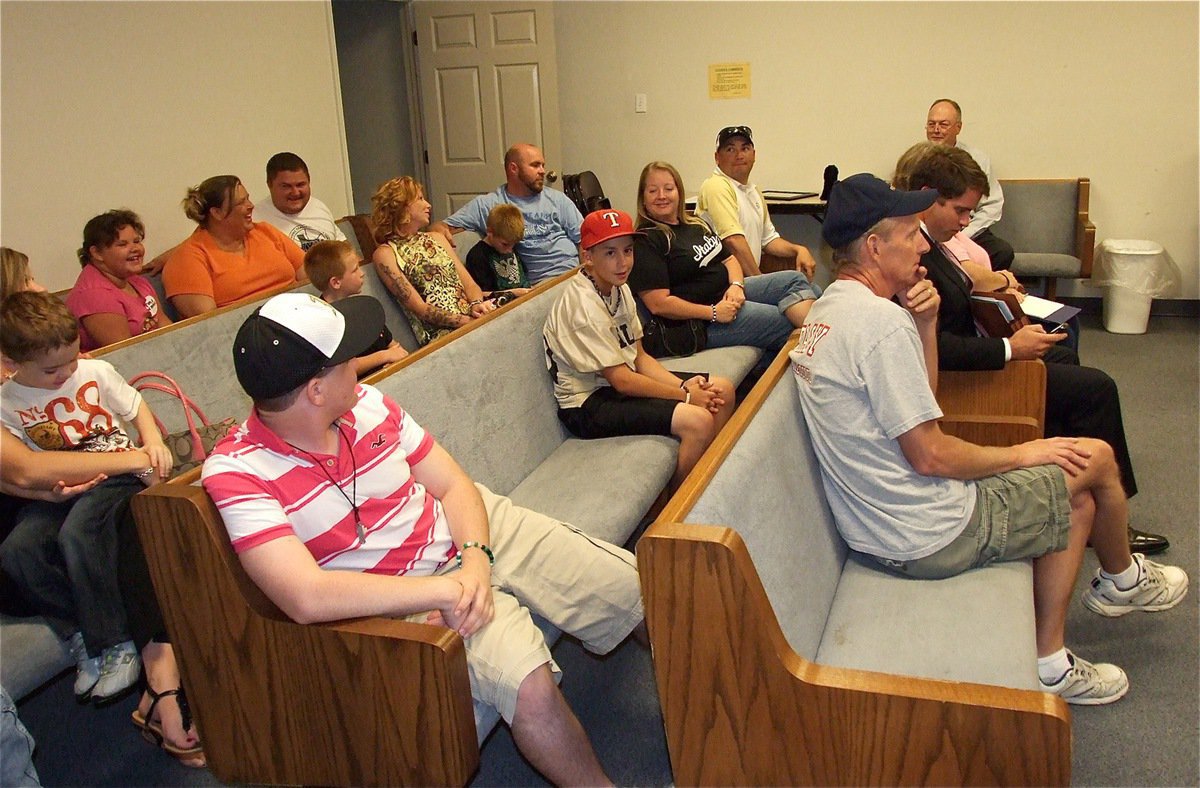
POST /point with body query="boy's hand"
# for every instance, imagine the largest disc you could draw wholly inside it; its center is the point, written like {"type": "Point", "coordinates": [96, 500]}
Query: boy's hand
{"type": "Point", "coordinates": [394, 352]}
{"type": "Point", "coordinates": [704, 395]}
{"type": "Point", "coordinates": [160, 459]}
{"type": "Point", "coordinates": [64, 492]}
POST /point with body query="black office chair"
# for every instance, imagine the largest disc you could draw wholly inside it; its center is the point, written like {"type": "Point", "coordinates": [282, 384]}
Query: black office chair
{"type": "Point", "coordinates": [585, 191]}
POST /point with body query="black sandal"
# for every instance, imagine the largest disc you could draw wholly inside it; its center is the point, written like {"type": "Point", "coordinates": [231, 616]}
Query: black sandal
{"type": "Point", "coordinates": [152, 729]}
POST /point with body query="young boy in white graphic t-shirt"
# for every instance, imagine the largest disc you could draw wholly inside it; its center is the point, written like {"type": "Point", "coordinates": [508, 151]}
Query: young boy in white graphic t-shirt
{"type": "Point", "coordinates": [56, 401]}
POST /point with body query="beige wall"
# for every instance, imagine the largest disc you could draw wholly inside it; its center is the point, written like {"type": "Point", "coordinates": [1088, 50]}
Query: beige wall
{"type": "Point", "coordinates": [1104, 90]}
{"type": "Point", "coordinates": [111, 105]}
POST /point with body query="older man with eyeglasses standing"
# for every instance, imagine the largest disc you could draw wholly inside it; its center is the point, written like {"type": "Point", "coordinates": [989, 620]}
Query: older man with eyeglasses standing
{"type": "Point", "coordinates": [942, 126]}
{"type": "Point", "coordinates": [737, 211]}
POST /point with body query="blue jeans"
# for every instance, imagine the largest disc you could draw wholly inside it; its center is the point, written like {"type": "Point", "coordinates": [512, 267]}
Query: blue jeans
{"type": "Point", "coordinates": [16, 747]}
{"type": "Point", "coordinates": [64, 559]}
{"type": "Point", "coordinates": [31, 559]}
{"type": "Point", "coordinates": [761, 321]}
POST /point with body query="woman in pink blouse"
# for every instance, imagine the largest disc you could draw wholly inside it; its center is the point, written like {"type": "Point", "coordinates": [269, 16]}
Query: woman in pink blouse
{"type": "Point", "coordinates": [111, 298]}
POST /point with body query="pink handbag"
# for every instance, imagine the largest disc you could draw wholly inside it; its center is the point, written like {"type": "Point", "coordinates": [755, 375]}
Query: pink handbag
{"type": "Point", "coordinates": [188, 447]}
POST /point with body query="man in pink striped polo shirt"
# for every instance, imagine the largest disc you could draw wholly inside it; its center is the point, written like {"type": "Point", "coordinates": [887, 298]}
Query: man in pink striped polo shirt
{"type": "Point", "coordinates": [327, 474]}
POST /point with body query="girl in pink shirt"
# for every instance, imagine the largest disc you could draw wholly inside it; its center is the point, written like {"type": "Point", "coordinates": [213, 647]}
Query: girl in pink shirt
{"type": "Point", "coordinates": [111, 299]}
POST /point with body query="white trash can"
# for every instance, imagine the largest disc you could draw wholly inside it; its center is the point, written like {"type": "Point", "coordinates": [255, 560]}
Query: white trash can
{"type": "Point", "coordinates": [1132, 266]}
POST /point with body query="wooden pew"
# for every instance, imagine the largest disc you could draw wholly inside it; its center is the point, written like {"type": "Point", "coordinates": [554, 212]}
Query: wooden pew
{"type": "Point", "coordinates": [802, 675]}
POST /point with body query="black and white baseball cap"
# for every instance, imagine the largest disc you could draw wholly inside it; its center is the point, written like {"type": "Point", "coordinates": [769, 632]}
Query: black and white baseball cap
{"type": "Point", "coordinates": [293, 336]}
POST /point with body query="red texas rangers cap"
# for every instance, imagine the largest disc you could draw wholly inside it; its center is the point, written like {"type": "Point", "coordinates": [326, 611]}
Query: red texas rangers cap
{"type": "Point", "coordinates": [600, 226]}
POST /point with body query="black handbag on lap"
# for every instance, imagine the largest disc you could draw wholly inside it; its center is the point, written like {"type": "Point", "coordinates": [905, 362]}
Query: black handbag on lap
{"type": "Point", "coordinates": [662, 336]}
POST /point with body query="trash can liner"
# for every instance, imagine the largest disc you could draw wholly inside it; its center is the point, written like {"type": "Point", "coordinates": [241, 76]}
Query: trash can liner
{"type": "Point", "coordinates": [1141, 266]}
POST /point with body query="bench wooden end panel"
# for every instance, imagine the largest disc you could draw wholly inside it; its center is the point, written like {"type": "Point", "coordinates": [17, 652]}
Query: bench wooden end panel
{"type": "Point", "coordinates": [364, 702]}
{"type": "Point", "coordinates": [742, 708]}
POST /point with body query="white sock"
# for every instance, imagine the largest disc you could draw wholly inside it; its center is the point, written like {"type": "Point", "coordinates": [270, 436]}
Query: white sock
{"type": "Point", "coordinates": [1052, 667]}
{"type": "Point", "coordinates": [1127, 579]}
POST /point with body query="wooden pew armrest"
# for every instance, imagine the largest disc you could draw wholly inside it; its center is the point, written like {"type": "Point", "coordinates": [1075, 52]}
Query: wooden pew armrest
{"type": "Point", "coordinates": [1085, 244]}
{"type": "Point", "coordinates": [1085, 231]}
{"type": "Point", "coordinates": [1019, 389]}
{"type": "Point", "coordinates": [365, 701]}
{"type": "Point", "coordinates": [992, 430]}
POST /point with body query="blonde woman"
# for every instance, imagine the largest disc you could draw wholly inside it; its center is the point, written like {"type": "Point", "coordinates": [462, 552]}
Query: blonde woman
{"type": "Point", "coordinates": [684, 273]}
{"type": "Point", "coordinates": [420, 269]}
{"type": "Point", "coordinates": [15, 276]}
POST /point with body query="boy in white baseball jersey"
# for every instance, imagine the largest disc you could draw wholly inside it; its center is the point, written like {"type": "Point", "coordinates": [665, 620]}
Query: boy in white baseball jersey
{"type": "Point", "coordinates": [605, 383]}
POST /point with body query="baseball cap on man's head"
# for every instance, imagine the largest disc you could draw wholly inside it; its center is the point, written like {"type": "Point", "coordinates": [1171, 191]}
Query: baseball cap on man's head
{"type": "Point", "coordinates": [729, 132]}
{"type": "Point", "coordinates": [859, 202]}
{"type": "Point", "coordinates": [605, 224]}
{"type": "Point", "coordinates": [293, 336]}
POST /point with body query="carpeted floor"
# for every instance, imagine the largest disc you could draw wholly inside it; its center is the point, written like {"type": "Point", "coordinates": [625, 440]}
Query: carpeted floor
{"type": "Point", "coordinates": [1149, 738]}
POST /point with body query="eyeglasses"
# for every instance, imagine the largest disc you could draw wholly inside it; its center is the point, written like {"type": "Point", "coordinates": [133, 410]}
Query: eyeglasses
{"type": "Point", "coordinates": [939, 124]}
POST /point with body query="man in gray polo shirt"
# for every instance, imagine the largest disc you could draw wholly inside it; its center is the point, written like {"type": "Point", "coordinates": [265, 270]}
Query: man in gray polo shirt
{"type": "Point", "coordinates": [924, 504]}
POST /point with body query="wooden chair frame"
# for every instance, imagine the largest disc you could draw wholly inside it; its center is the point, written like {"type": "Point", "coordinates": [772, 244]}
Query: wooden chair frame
{"type": "Point", "coordinates": [741, 707]}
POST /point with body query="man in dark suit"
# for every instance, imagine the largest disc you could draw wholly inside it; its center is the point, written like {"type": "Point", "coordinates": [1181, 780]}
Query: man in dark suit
{"type": "Point", "coordinates": [1079, 400]}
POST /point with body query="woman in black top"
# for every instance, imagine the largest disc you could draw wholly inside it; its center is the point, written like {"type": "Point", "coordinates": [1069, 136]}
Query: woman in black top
{"type": "Point", "coordinates": [681, 271]}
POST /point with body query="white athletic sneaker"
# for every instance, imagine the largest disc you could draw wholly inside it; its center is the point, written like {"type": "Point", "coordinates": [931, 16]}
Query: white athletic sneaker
{"type": "Point", "coordinates": [1086, 684]}
{"type": "Point", "coordinates": [1158, 588]}
{"type": "Point", "coordinates": [87, 669]}
{"type": "Point", "coordinates": [120, 668]}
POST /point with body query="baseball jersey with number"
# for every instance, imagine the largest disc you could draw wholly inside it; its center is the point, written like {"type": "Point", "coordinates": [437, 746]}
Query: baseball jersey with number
{"type": "Point", "coordinates": [585, 334]}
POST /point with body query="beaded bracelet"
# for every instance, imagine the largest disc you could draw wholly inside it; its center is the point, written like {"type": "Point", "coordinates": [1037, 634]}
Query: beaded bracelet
{"type": "Point", "coordinates": [714, 317]}
{"type": "Point", "coordinates": [486, 551]}
{"type": "Point", "coordinates": [143, 474]}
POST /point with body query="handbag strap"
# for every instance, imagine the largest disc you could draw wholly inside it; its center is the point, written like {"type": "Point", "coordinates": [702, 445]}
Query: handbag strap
{"type": "Point", "coordinates": [149, 381]}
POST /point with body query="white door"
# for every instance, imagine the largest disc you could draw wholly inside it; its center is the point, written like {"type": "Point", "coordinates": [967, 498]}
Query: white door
{"type": "Point", "coordinates": [487, 80]}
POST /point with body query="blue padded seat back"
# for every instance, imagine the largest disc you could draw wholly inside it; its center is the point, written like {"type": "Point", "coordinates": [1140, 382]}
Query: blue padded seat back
{"type": "Point", "coordinates": [393, 313]}
{"type": "Point", "coordinates": [1039, 216]}
{"type": "Point", "coordinates": [769, 490]}
{"type": "Point", "coordinates": [487, 395]}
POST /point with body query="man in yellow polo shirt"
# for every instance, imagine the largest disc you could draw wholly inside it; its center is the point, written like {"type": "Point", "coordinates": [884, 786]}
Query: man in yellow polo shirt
{"type": "Point", "coordinates": [737, 211]}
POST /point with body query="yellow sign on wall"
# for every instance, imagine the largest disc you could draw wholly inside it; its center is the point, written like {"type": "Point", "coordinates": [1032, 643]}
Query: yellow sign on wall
{"type": "Point", "coordinates": [728, 80]}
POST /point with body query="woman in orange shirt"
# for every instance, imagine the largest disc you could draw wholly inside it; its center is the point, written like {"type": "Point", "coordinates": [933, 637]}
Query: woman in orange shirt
{"type": "Point", "coordinates": [229, 256]}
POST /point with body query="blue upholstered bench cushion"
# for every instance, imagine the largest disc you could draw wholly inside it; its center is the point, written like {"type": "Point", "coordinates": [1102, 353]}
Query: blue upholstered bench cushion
{"type": "Point", "coordinates": [730, 362]}
{"type": "Point", "coordinates": [600, 486]}
{"type": "Point", "coordinates": [977, 626]}
{"type": "Point", "coordinates": [769, 490]}
{"type": "Point", "coordinates": [1063, 266]}
{"type": "Point", "coordinates": [30, 654]}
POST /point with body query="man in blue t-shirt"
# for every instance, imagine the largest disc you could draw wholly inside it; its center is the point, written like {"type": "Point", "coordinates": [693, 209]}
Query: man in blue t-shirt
{"type": "Point", "coordinates": [552, 221]}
